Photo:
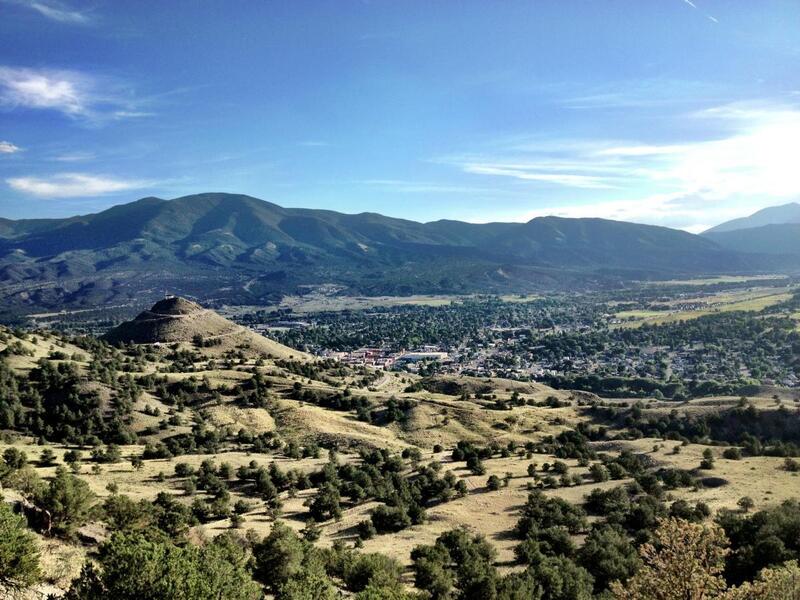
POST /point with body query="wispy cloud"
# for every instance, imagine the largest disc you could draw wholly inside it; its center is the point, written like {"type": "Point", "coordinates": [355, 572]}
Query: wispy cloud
{"type": "Point", "coordinates": [74, 185]}
{"type": "Point", "coordinates": [534, 172]}
{"type": "Point", "coordinates": [424, 187]}
{"type": "Point", "coordinates": [752, 156]}
{"type": "Point", "coordinates": [8, 148]}
{"type": "Point", "coordinates": [642, 150]}
{"type": "Point", "coordinates": [55, 11]}
{"type": "Point", "coordinates": [693, 5]}
{"type": "Point", "coordinates": [550, 163]}
{"type": "Point", "coordinates": [75, 156]}
{"type": "Point", "coordinates": [132, 114]}
{"type": "Point", "coordinates": [757, 156]}
{"type": "Point", "coordinates": [72, 93]}
{"type": "Point", "coordinates": [656, 92]}
{"type": "Point", "coordinates": [313, 144]}
{"type": "Point", "coordinates": [690, 213]}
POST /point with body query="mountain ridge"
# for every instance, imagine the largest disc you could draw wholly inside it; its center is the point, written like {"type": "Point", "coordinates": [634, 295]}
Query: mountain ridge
{"type": "Point", "coordinates": [771, 231]}
{"type": "Point", "coordinates": [771, 215]}
{"type": "Point", "coordinates": [780, 239]}
{"type": "Point", "coordinates": [237, 249]}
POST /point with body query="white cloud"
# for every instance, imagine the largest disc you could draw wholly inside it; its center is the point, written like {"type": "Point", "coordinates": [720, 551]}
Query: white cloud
{"type": "Point", "coordinates": [753, 159]}
{"type": "Point", "coordinates": [56, 12]}
{"type": "Point", "coordinates": [8, 148]}
{"type": "Point", "coordinates": [65, 91]}
{"type": "Point", "coordinates": [759, 158]}
{"type": "Point", "coordinates": [533, 173]}
{"type": "Point", "coordinates": [71, 93]}
{"type": "Point", "coordinates": [73, 185]}
{"type": "Point", "coordinates": [622, 210]}
{"type": "Point", "coordinates": [690, 213]}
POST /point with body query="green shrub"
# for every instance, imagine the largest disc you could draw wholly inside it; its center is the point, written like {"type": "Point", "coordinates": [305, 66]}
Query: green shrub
{"type": "Point", "coordinates": [19, 554]}
{"type": "Point", "coordinates": [132, 567]}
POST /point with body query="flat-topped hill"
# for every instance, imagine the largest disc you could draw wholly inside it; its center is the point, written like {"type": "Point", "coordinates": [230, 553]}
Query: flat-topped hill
{"type": "Point", "coordinates": [178, 320]}
{"type": "Point", "coordinates": [175, 306]}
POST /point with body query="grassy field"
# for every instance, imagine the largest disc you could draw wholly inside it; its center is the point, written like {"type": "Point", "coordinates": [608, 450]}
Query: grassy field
{"type": "Point", "coordinates": [749, 300]}
{"type": "Point", "coordinates": [317, 302]}
{"type": "Point", "coordinates": [720, 279]}
{"type": "Point", "coordinates": [312, 303]}
{"type": "Point", "coordinates": [519, 298]}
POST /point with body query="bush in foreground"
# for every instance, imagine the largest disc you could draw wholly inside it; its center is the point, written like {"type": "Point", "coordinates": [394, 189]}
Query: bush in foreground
{"type": "Point", "coordinates": [19, 554]}
{"type": "Point", "coordinates": [132, 567]}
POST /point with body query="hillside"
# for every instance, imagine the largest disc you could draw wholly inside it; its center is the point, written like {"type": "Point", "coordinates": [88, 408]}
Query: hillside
{"type": "Point", "coordinates": [238, 249]}
{"type": "Point", "coordinates": [777, 239]}
{"type": "Point", "coordinates": [182, 448]}
{"type": "Point", "coordinates": [179, 321]}
{"type": "Point", "coordinates": [771, 231]}
{"type": "Point", "coordinates": [773, 215]}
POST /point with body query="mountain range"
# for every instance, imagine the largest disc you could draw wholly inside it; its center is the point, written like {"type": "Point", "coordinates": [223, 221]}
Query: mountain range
{"type": "Point", "coordinates": [774, 230]}
{"type": "Point", "coordinates": [239, 249]}
{"type": "Point", "coordinates": [772, 215]}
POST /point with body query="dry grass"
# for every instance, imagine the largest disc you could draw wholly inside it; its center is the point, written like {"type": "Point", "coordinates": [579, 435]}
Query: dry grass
{"type": "Point", "coordinates": [720, 279]}
{"type": "Point", "coordinates": [320, 302]}
{"type": "Point", "coordinates": [762, 478]}
{"type": "Point", "coordinates": [750, 301]}
{"type": "Point", "coordinates": [435, 419]}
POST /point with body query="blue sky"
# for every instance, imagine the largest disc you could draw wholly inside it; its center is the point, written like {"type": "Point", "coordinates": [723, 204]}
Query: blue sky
{"type": "Point", "coordinates": [670, 112]}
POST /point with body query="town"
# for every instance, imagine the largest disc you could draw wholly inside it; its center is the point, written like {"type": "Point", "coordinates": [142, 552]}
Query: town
{"type": "Point", "coordinates": [735, 333]}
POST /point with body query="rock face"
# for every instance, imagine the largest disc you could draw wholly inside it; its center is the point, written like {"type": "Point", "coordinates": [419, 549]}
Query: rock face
{"type": "Point", "coordinates": [178, 320]}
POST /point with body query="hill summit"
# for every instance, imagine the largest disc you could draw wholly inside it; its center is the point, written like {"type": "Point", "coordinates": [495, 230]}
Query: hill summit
{"type": "Point", "coordinates": [178, 320]}
{"type": "Point", "coordinates": [175, 305]}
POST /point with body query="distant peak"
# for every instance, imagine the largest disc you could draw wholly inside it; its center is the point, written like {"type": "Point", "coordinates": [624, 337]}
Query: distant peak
{"type": "Point", "coordinates": [788, 213]}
